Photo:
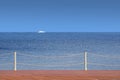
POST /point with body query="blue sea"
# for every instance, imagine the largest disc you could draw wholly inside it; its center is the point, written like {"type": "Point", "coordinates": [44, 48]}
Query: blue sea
{"type": "Point", "coordinates": [60, 50]}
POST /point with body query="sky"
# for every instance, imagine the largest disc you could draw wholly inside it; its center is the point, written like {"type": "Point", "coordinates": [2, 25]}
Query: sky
{"type": "Point", "coordinates": [60, 15]}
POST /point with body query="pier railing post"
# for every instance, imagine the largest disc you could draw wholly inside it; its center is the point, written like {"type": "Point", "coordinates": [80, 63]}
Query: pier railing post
{"type": "Point", "coordinates": [15, 62]}
{"type": "Point", "coordinates": [85, 61]}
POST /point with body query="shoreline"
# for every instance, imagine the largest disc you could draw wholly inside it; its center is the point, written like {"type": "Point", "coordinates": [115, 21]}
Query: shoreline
{"type": "Point", "coordinates": [60, 75]}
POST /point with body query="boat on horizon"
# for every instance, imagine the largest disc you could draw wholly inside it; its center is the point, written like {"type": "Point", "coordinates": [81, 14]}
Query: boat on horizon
{"type": "Point", "coordinates": [41, 31]}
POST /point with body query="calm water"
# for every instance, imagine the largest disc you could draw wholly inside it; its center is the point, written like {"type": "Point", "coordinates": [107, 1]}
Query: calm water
{"type": "Point", "coordinates": [60, 50]}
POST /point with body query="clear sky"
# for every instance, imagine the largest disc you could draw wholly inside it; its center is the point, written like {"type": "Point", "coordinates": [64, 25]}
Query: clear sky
{"type": "Point", "coordinates": [60, 15]}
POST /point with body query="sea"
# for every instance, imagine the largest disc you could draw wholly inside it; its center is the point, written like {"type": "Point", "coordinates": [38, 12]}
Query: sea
{"type": "Point", "coordinates": [60, 50]}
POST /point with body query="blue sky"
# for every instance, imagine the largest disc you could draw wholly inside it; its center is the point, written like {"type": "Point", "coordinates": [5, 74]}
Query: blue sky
{"type": "Point", "coordinates": [60, 15]}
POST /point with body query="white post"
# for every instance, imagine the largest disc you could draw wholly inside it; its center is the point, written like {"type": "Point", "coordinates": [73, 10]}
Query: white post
{"type": "Point", "coordinates": [85, 61]}
{"type": "Point", "coordinates": [15, 62]}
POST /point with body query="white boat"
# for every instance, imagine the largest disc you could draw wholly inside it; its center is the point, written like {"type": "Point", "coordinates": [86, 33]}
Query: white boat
{"type": "Point", "coordinates": [41, 31]}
